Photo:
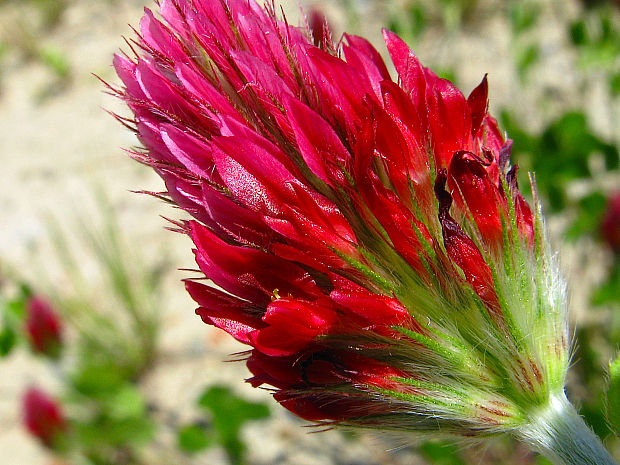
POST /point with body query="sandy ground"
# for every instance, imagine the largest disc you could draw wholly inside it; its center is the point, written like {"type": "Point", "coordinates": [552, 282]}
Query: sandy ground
{"type": "Point", "coordinates": [53, 152]}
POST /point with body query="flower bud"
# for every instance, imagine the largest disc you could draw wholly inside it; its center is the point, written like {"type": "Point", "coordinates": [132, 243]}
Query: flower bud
{"type": "Point", "coordinates": [43, 328]}
{"type": "Point", "coordinates": [43, 417]}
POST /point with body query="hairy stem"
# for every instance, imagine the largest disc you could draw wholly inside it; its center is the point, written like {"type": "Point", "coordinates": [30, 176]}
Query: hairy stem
{"type": "Point", "coordinates": [560, 434]}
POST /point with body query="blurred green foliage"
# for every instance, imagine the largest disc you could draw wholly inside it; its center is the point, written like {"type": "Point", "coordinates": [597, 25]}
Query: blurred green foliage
{"type": "Point", "coordinates": [613, 396]}
{"type": "Point", "coordinates": [561, 153]}
{"type": "Point", "coordinates": [227, 414]}
{"type": "Point", "coordinates": [12, 314]}
{"type": "Point", "coordinates": [24, 33]}
{"type": "Point", "coordinates": [114, 340]}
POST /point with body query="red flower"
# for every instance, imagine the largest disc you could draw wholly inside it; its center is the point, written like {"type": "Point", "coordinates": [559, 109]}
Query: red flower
{"type": "Point", "coordinates": [610, 226]}
{"type": "Point", "coordinates": [317, 185]}
{"type": "Point", "coordinates": [43, 417]}
{"type": "Point", "coordinates": [43, 327]}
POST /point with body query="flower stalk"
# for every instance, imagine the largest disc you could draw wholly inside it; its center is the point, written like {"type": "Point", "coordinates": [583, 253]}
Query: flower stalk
{"type": "Point", "coordinates": [560, 434]}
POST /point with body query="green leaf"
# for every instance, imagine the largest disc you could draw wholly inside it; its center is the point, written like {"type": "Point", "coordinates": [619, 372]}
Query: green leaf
{"type": "Point", "coordinates": [56, 61]}
{"type": "Point", "coordinates": [229, 413]}
{"type": "Point", "coordinates": [417, 17]}
{"type": "Point", "coordinates": [101, 432]}
{"type": "Point", "coordinates": [98, 380]}
{"type": "Point", "coordinates": [8, 340]}
{"type": "Point", "coordinates": [193, 438]}
{"type": "Point", "coordinates": [439, 453]}
{"type": "Point", "coordinates": [524, 15]}
{"type": "Point", "coordinates": [609, 291]}
{"type": "Point", "coordinates": [590, 211]}
{"type": "Point", "coordinates": [540, 460]}
{"type": "Point", "coordinates": [578, 33]}
{"type": "Point", "coordinates": [614, 84]}
{"type": "Point", "coordinates": [125, 404]}
{"type": "Point", "coordinates": [613, 395]}
{"type": "Point", "coordinates": [526, 58]}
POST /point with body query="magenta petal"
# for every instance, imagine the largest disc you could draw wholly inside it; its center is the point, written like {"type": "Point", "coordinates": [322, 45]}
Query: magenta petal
{"type": "Point", "coordinates": [190, 151]}
{"type": "Point", "coordinates": [160, 38]}
{"type": "Point", "coordinates": [320, 147]}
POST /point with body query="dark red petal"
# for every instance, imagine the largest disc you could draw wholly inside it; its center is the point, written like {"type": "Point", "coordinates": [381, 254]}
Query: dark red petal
{"type": "Point", "coordinates": [241, 270]}
{"type": "Point", "coordinates": [477, 195]}
{"type": "Point", "coordinates": [478, 102]}
{"type": "Point", "coordinates": [319, 145]}
{"type": "Point", "coordinates": [293, 324]}
{"type": "Point", "coordinates": [233, 315]}
{"type": "Point", "coordinates": [462, 250]}
{"type": "Point", "coordinates": [449, 118]}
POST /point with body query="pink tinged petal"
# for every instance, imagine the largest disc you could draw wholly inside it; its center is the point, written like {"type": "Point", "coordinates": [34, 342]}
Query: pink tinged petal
{"type": "Point", "coordinates": [126, 70]}
{"type": "Point", "coordinates": [262, 39]}
{"type": "Point", "coordinates": [241, 270]}
{"type": "Point", "coordinates": [280, 372]}
{"type": "Point", "coordinates": [149, 135]}
{"type": "Point", "coordinates": [369, 371]}
{"type": "Point", "coordinates": [323, 212]}
{"type": "Point", "coordinates": [261, 76]}
{"type": "Point", "coordinates": [253, 174]}
{"type": "Point", "coordinates": [400, 225]}
{"type": "Point", "coordinates": [160, 38]}
{"type": "Point", "coordinates": [492, 140]}
{"type": "Point", "coordinates": [245, 186]}
{"type": "Point", "coordinates": [200, 88]}
{"type": "Point", "coordinates": [185, 194]}
{"type": "Point", "coordinates": [164, 95]}
{"type": "Point", "coordinates": [263, 89]}
{"type": "Point", "coordinates": [366, 68]}
{"type": "Point", "coordinates": [342, 75]}
{"type": "Point", "coordinates": [293, 324]}
{"type": "Point", "coordinates": [193, 153]}
{"type": "Point", "coordinates": [235, 221]}
{"type": "Point", "coordinates": [462, 250]}
{"type": "Point", "coordinates": [239, 132]}
{"type": "Point", "coordinates": [172, 11]}
{"type": "Point", "coordinates": [224, 311]}
{"type": "Point", "coordinates": [309, 258]}
{"type": "Point", "coordinates": [477, 194]}
{"type": "Point", "coordinates": [320, 147]}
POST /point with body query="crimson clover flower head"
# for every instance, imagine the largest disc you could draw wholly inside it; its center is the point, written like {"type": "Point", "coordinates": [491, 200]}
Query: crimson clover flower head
{"type": "Point", "coordinates": [365, 233]}
{"type": "Point", "coordinates": [43, 327]}
{"type": "Point", "coordinates": [43, 417]}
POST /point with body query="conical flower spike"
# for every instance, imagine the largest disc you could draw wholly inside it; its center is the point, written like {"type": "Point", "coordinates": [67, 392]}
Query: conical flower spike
{"type": "Point", "coordinates": [43, 328]}
{"type": "Point", "coordinates": [366, 233]}
{"type": "Point", "coordinates": [43, 418]}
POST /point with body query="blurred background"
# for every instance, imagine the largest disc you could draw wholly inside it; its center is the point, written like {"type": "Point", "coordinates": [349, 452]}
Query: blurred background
{"type": "Point", "coordinates": [102, 360]}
